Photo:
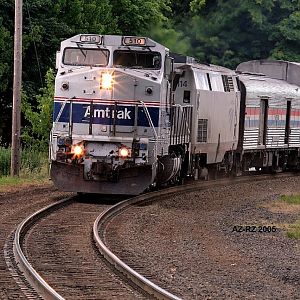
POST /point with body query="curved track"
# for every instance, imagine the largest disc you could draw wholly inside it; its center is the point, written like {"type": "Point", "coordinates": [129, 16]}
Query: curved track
{"type": "Point", "coordinates": [54, 249]}
{"type": "Point", "coordinates": [74, 284]}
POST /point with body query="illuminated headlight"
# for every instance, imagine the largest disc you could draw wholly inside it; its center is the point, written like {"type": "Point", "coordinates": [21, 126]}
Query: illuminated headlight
{"type": "Point", "coordinates": [77, 150]}
{"type": "Point", "coordinates": [124, 152]}
{"type": "Point", "coordinates": [106, 81]}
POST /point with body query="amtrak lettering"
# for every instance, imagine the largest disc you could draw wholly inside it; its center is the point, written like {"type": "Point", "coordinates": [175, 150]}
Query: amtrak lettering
{"type": "Point", "coordinates": [108, 113]}
{"type": "Point", "coordinates": [122, 115]}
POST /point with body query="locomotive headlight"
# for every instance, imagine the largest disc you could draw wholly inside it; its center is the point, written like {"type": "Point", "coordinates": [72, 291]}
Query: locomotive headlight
{"type": "Point", "coordinates": [106, 81]}
{"type": "Point", "coordinates": [65, 86]}
{"type": "Point", "coordinates": [124, 152]}
{"type": "Point", "coordinates": [78, 150]}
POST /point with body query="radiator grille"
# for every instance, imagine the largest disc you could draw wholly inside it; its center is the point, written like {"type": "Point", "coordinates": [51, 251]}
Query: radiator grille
{"type": "Point", "coordinates": [228, 83]}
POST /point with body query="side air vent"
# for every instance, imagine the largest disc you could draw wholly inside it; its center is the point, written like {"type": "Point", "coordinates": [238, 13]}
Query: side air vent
{"type": "Point", "coordinates": [202, 131]}
{"type": "Point", "coordinates": [228, 83]}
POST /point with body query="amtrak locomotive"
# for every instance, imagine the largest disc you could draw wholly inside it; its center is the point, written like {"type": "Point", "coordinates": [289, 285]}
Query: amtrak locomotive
{"type": "Point", "coordinates": [111, 115]}
{"type": "Point", "coordinates": [128, 114]}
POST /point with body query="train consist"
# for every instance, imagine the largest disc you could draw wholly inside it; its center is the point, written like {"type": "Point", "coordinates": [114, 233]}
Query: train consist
{"type": "Point", "coordinates": [128, 114]}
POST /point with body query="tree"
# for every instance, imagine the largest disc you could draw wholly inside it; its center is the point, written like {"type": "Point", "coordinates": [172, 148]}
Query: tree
{"type": "Point", "coordinates": [229, 32]}
{"type": "Point", "coordinates": [6, 74]}
{"type": "Point", "coordinates": [36, 133]}
{"type": "Point", "coordinates": [134, 17]}
{"type": "Point", "coordinates": [47, 23]}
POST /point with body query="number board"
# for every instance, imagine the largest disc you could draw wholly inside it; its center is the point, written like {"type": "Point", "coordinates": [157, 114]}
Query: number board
{"type": "Point", "coordinates": [90, 38]}
{"type": "Point", "coordinates": [132, 40]}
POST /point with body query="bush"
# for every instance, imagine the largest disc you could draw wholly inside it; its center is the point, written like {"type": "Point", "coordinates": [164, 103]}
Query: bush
{"type": "Point", "coordinates": [4, 161]}
{"type": "Point", "coordinates": [33, 162]}
{"type": "Point", "coordinates": [39, 116]}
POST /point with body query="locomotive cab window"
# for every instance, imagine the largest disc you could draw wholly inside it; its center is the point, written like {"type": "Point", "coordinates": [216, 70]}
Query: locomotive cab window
{"type": "Point", "coordinates": [85, 57]}
{"type": "Point", "coordinates": [202, 81]}
{"type": "Point", "coordinates": [137, 59]}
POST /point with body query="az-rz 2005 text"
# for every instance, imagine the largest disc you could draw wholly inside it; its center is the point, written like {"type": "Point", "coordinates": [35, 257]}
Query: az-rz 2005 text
{"type": "Point", "coordinates": [249, 228]}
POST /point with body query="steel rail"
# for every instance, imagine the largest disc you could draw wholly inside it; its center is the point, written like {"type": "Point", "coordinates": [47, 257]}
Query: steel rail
{"type": "Point", "coordinates": [33, 277]}
{"type": "Point", "coordinates": [100, 223]}
{"type": "Point", "coordinates": [142, 282]}
{"type": "Point", "coordinates": [46, 291]}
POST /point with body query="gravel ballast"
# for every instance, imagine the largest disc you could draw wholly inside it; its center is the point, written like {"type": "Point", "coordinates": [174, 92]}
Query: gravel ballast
{"type": "Point", "coordinates": [15, 206]}
{"type": "Point", "coordinates": [189, 243]}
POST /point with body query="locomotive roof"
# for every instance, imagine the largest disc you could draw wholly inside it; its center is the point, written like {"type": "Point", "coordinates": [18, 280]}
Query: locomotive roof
{"type": "Point", "coordinates": [263, 86]}
{"type": "Point", "coordinates": [207, 67]}
{"type": "Point", "coordinates": [97, 40]}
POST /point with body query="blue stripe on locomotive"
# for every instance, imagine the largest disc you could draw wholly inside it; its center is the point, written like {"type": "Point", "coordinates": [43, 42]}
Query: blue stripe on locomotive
{"type": "Point", "coordinates": [103, 113]}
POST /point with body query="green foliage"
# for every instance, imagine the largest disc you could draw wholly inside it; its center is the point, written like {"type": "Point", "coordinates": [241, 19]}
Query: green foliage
{"type": "Point", "coordinates": [45, 24]}
{"type": "Point", "coordinates": [171, 38]}
{"type": "Point", "coordinates": [36, 134]}
{"type": "Point", "coordinates": [33, 162]}
{"type": "Point", "coordinates": [216, 31]}
{"type": "Point", "coordinates": [4, 161]}
{"type": "Point", "coordinates": [134, 17]}
{"type": "Point", "coordinates": [291, 199]}
{"type": "Point", "coordinates": [197, 5]}
{"type": "Point", "coordinates": [229, 32]}
{"type": "Point", "coordinates": [294, 230]}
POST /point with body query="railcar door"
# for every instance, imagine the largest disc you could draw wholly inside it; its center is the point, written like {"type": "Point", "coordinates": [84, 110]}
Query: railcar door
{"type": "Point", "coordinates": [263, 121]}
{"type": "Point", "coordinates": [287, 122]}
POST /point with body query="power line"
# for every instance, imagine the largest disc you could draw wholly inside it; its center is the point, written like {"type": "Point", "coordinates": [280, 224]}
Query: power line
{"type": "Point", "coordinates": [34, 43]}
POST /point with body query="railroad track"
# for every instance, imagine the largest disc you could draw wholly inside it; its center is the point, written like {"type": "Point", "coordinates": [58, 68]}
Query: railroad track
{"type": "Point", "coordinates": [89, 277]}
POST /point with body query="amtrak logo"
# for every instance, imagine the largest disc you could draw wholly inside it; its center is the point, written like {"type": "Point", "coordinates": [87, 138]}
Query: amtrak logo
{"type": "Point", "coordinates": [108, 113]}
{"type": "Point", "coordinates": [105, 114]}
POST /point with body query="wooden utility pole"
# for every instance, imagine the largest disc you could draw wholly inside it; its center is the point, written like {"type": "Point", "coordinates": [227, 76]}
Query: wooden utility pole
{"type": "Point", "coordinates": [16, 114]}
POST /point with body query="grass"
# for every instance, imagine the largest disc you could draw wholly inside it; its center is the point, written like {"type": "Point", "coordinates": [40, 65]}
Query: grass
{"type": "Point", "coordinates": [291, 199]}
{"type": "Point", "coordinates": [34, 169]}
{"type": "Point", "coordinates": [293, 230]}
{"type": "Point", "coordinates": [7, 182]}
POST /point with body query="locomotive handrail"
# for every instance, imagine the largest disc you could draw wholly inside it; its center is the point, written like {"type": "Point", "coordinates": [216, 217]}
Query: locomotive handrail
{"type": "Point", "coordinates": [185, 120]}
{"type": "Point", "coordinates": [62, 108]}
{"type": "Point", "coordinates": [149, 120]}
{"type": "Point", "coordinates": [180, 130]}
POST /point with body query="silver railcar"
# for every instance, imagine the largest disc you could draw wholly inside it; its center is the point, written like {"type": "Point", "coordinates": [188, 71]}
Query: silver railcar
{"type": "Point", "coordinates": [270, 115]}
{"type": "Point", "coordinates": [214, 94]}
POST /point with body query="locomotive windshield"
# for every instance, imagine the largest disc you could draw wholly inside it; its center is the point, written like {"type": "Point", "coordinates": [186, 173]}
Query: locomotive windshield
{"type": "Point", "coordinates": [85, 57]}
{"type": "Point", "coordinates": [137, 59]}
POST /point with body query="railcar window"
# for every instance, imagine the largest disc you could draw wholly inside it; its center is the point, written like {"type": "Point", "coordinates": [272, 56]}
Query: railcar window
{"type": "Point", "coordinates": [186, 96]}
{"type": "Point", "coordinates": [137, 59]}
{"type": "Point", "coordinates": [85, 57]}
